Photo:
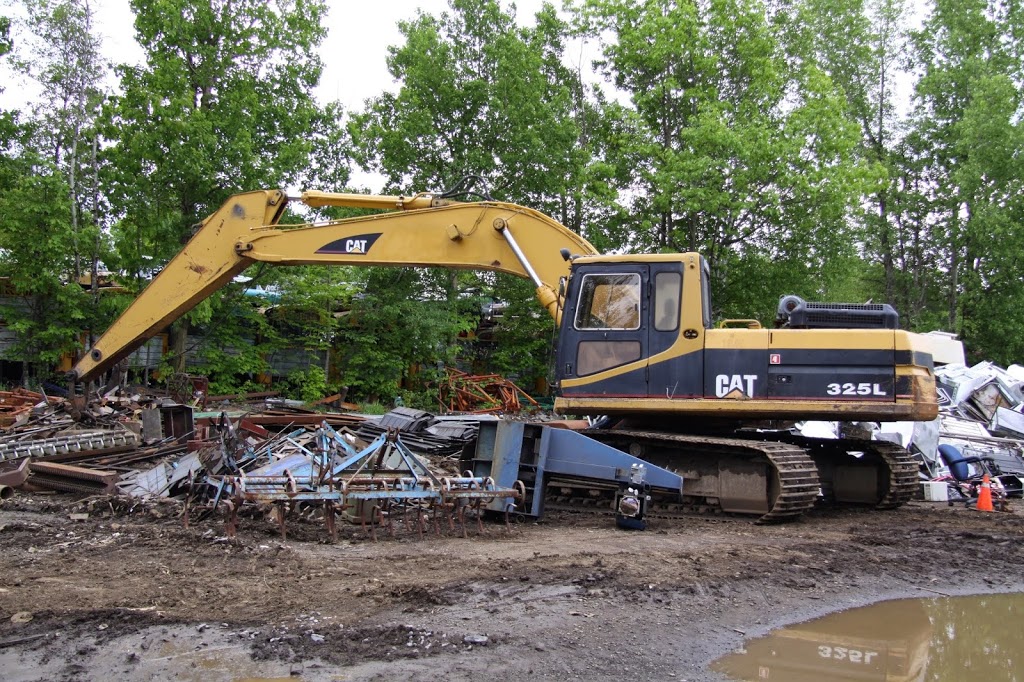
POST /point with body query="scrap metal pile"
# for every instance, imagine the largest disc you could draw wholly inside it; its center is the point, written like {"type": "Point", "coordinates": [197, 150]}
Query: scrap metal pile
{"type": "Point", "coordinates": [482, 394]}
{"type": "Point", "coordinates": [424, 432]}
{"type": "Point", "coordinates": [20, 405]}
{"type": "Point", "coordinates": [277, 459]}
{"type": "Point", "coordinates": [982, 424]}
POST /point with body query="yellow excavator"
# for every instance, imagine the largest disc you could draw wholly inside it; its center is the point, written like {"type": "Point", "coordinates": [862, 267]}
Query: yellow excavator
{"type": "Point", "coordinates": [636, 345]}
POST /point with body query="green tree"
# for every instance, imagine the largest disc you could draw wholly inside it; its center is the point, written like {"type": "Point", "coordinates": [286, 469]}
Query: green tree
{"type": "Point", "coordinates": [739, 150]}
{"type": "Point", "coordinates": [47, 238]}
{"type": "Point", "coordinates": [40, 306]}
{"type": "Point", "coordinates": [479, 96]}
{"type": "Point", "coordinates": [523, 338]}
{"type": "Point", "coordinates": [967, 125]}
{"type": "Point", "coordinates": [857, 42]}
{"type": "Point", "coordinates": [5, 37]}
{"type": "Point", "coordinates": [7, 120]}
{"type": "Point", "coordinates": [395, 327]}
{"type": "Point", "coordinates": [223, 103]}
{"type": "Point", "coordinates": [482, 97]}
{"type": "Point", "coordinates": [311, 301]}
{"type": "Point", "coordinates": [233, 340]}
{"type": "Point", "coordinates": [63, 57]}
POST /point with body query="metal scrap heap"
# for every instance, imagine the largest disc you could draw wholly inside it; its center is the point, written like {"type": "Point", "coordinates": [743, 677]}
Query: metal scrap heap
{"type": "Point", "coordinates": [482, 394]}
{"type": "Point", "coordinates": [276, 457]}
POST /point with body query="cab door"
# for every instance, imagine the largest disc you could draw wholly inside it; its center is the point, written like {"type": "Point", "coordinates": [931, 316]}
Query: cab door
{"type": "Point", "coordinates": [603, 346]}
{"type": "Point", "coordinates": [676, 335]}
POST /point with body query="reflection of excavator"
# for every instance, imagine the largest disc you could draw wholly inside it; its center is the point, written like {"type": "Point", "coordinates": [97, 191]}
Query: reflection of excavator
{"type": "Point", "coordinates": [886, 642]}
{"type": "Point", "coordinates": [636, 343]}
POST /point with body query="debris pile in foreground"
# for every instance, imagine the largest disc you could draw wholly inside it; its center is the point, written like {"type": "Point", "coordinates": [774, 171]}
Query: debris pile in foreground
{"type": "Point", "coordinates": [272, 457]}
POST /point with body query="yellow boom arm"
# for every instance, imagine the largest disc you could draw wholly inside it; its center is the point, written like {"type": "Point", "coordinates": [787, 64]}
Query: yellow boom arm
{"type": "Point", "coordinates": [419, 231]}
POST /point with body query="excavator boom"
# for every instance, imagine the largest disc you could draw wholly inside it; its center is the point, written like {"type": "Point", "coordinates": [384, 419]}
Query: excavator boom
{"type": "Point", "coordinates": [417, 231]}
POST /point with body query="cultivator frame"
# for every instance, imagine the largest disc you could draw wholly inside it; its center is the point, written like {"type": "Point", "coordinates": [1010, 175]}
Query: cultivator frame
{"type": "Point", "coordinates": [374, 486]}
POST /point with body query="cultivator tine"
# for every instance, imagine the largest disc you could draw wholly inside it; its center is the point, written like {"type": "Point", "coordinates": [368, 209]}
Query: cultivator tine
{"type": "Point", "coordinates": [279, 508]}
{"type": "Point", "coordinates": [231, 519]}
{"type": "Point", "coordinates": [188, 499]}
{"type": "Point", "coordinates": [362, 522]}
{"type": "Point", "coordinates": [330, 521]}
{"type": "Point", "coordinates": [387, 519]}
{"type": "Point", "coordinates": [479, 517]}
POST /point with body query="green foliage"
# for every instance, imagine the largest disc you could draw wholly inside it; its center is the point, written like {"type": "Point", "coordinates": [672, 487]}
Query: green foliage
{"type": "Point", "coordinates": [223, 102]}
{"type": "Point", "coordinates": [399, 322]}
{"type": "Point", "coordinates": [45, 311]}
{"type": "Point", "coordinates": [233, 340]}
{"type": "Point", "coordinates": [739, 151]}
{"type": "Point", "coordinates": [423, 399]}
{"type": "Point", "coordinates": [58, 49]}
{"type": "Point", "coordinates": [310, 300]}
{"type": "Point", "coordinates": [524, 338]}
{"type": "Point", "coordinates": [374, 409]}
{"type": "Point", "coordinates": [6, 43]}
{"type": "Point", "coordinates": [482, 96]}
{"type": "Point", "coordinates": [968, 142]}
{"type": "Point", "coordinates": [307, 385]}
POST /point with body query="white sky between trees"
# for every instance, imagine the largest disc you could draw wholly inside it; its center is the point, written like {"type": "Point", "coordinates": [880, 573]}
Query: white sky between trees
{"type": "Point", "coordinates": [354, 52]}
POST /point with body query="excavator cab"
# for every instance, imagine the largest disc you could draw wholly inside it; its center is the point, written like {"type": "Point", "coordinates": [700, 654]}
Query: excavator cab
{"type": "Point", "coordinates": [624, 317]}
{"type": "Point", "coordinates": [637, 339]}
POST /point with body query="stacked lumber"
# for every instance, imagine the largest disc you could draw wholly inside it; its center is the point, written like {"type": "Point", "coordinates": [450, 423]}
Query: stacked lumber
{"type": "Point", "coordinates": [16, 406]}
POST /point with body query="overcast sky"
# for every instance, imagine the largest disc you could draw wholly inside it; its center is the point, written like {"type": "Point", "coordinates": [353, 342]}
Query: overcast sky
{"type": "Point", "coordinates": [359, 34]}
{"type": "Point", "coordinates": [354, 52]}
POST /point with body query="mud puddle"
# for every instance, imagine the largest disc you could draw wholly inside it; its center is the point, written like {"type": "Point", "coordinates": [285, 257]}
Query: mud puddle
{"type": "Point", "coordinates": [948, 639]}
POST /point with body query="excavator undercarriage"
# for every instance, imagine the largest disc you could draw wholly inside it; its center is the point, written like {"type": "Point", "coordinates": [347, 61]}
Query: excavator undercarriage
{"type": "Point", "coordinates": [772, 476]}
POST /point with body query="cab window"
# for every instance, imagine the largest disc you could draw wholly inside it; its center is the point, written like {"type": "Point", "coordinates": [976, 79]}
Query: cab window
{"type": "Point", "coordinates": [667, 290]}
{"type": "Point", "coordinates": [610, 301]}
{"type": "Point", "coordinates": [595, 356]}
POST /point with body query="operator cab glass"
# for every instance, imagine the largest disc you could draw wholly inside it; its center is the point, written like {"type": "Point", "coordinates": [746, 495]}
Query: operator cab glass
{"type": "Point", "coordinates": [668, 287]}
{"type": "Point", "coordinates": [609, 302]}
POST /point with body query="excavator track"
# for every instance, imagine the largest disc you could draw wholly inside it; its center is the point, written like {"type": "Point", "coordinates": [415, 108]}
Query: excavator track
{"type": "Point", "coordinates": [904, 479]}
{"type": "Point", "coordinates": [794, 484]}
{"type": "Point", "coordinates": [895, 471]}
{"type": "Point", "coordinates": [897, 474]}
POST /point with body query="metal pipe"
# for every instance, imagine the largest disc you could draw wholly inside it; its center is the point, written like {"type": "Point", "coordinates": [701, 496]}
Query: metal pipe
{"type": "Point", "coordinates": [391, 203]}
{"type": "Point", "coordinates": [6, 491]}
{"type": "Point", "coordinates": [501, 225]}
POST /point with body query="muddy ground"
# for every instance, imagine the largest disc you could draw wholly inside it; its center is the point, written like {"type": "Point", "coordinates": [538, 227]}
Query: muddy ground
{"type": "Point", "coordinates": [130, 594]}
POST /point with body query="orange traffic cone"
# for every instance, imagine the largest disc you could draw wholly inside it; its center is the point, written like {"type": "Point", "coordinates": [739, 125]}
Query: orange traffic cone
{"type": "Point", "coordinates": [985, 495]}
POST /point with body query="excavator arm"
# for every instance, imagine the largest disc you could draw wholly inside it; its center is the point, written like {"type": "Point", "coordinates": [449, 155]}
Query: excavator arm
{"type": "Point", "coordinates": [419, 231]}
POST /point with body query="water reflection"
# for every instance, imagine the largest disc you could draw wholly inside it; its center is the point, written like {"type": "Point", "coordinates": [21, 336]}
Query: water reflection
{"type": "Point", "coordinates": [955, 639]}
